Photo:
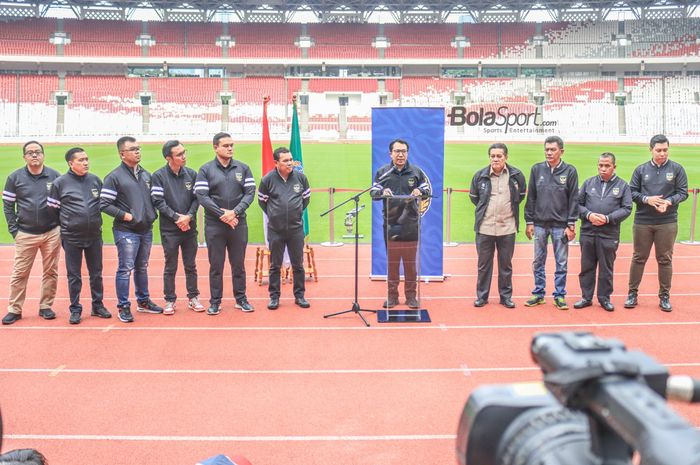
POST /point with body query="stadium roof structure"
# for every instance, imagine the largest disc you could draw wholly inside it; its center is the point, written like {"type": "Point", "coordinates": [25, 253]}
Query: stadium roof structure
{"type": "Point", "coordinates": [359, 10]}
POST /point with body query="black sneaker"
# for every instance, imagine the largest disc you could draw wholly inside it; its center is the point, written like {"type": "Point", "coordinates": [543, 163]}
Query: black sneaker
{"type": "Point", "coordinates": [213, 309]}
{"type": "Point", "coordinates": [147, 306]}
{"type": "Point", "coordinates": [47, 314]}
{"type": "Point", "coordinates": [244, 305]}
{"type": "Point", "coordinates": [125, 315]}
{"type": "Point", "coordinates": [101, 312]}
{"type": "Point", "coordinates": [274, 303]}
{"type": "Point", "coordinates": [302, 302]}
{"type": "Point", "coordinates": [631, 301]}
{"type": "Point", "coordinates": [74, 318]}
{"type": "Point", "coordinates": [11, 318]}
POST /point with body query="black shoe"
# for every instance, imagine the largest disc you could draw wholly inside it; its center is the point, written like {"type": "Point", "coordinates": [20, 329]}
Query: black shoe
{"type": "Point", "coordinates": [47, 314]}
{"type": "Point", "coordinates": [274, 303]}
{"type": "Point", "coordinates": [390, 303]}
{"type": "Point", "coordinates": [583, 303]}
{"type": "Point", "coordinates": [412, 302]}
{"type": "Point", "coordinates": [213, 309]}
{"type": "Point", "coordinates": [631, 301]}
{"type": "Point", "coordinates": [101, 312]}
{"type": "Point", "coordinates": [11, 318]}
{"type": "Point", "coordinates": [147, 306]}
{"type": "Point", "coordinates": [244, 305]}
{"type": "Point", "coordinates": [125, 315]}
{"type": "Point", "coordinates": [607, 306]}
{"type": "Point", "coordinates": [74, 318]}
{"type": "Point", "coordinates": [508, 303]}
{"type": "Point", "coordinates": [480, 302]}
{"type": "Point", "coordinates": [302, 302]}
{"type": "Point", "coordinates": [665, 303]}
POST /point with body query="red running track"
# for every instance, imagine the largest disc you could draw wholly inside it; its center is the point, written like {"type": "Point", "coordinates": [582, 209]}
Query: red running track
{"type": "Point", "coordinates": [290, 386]}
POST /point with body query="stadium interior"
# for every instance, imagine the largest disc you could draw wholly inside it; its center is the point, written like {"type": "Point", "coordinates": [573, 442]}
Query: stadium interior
{"type": "Point", "coordinates": [100, 74]}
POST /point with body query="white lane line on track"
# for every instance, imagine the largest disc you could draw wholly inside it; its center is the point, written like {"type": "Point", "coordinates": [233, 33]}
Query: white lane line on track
{"type": "Point", "coordinates": [358, 371]}
{"type": "Point", "coordinates": [57, 370]}
{"type": "Point", "coordinates": [96, 437]}
{"type": "Point", "coordinates": [426, 298]}
{"type": "Point", "coordinates": [409, 327]}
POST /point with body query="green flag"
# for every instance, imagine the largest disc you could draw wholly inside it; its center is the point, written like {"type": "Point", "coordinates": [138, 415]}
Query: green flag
{"type": "Point", "coordinates": [295, 148]}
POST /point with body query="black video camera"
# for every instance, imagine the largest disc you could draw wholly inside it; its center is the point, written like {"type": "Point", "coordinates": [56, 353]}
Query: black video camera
{"type": "Point", "coordinates": [602, 403]}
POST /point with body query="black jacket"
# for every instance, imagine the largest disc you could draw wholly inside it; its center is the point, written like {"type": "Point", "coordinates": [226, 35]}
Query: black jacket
{"type": "Point", "coordinates": [400, 215]}
{"type": "Point", "coordinates": [284, 201]}
{"type": "Point", "coordinates": [480, 193]}
{"type": "Point", "coordinates": [77, 199]}
{"type": "Point", "coordinates": [24, 201]}
{"type": "Point", "coordinates": [668, 180]}
{"type": "Point", "coordinates": [552, 195]}
{"type": "Point", "coordinates": [221, 187]}
{"type": "Point", "coordinates": [613, 199]}
{"type": "Point", "coordinates": [173, 194]}
{"type": "Point", "coordinates": [125, 192]}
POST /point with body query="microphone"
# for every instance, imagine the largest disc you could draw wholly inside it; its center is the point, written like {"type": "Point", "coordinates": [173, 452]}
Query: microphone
{"type": "Point", "coordinates": [683, 388]}
{"type": "Point", "coordinates": [387, 173]}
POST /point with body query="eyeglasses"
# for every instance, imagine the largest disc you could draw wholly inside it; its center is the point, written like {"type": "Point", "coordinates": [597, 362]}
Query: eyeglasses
{"type": "Point", "coordinates": [132, 149]}
{"type": "Point", "coordinates": [34, 153]}
{"type": "Point", "coordinates": [400, 151]}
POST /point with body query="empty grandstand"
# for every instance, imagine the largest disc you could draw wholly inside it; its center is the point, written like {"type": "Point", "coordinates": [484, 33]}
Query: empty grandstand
{"type": "Point", "coordinates": [191, 72]}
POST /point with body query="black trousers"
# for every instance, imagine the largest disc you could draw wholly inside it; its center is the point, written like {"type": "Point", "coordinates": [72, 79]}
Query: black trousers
{"type": "Point", "coordinates": [294, 242]}
{"type": "Point", "coordinates": [221, 239]}
{"type": "Point", "coordinates": [172, 243]}
{"type": "Point", "coordinates": [74, 262]}
{"type": "Point", "coordinates": [597, 253]}
{"type": "Point", "coordinates": [398, 251]}
{"type": "Point", "coordinates": [485, 247]}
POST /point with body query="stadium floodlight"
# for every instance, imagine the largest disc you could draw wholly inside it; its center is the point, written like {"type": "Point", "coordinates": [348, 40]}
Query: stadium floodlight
{"type": "Point", "coordinates": [145, 40]}
{"type": "Point", "coordinates": [59, 38]}
{"type": "Point", "coordinates": [461, 42]}
{"type": "Point", "coordinates": [381, 42]}
{"type": "Point", "coordinates": [538, 40]}
{"type": "Point", "coordinates": [304, 42]}
{"type": "Point", "coordinates": [226, 42]}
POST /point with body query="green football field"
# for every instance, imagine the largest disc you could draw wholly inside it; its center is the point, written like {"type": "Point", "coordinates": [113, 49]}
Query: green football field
{"type": "Point", "coordinates": [343, 165]}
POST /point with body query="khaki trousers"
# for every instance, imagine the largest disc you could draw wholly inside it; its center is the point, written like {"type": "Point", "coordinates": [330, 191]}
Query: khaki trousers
{"type": "Point", "coordinates": [26, 247]}
{"type": "Point", "coordinates": [662, 237]}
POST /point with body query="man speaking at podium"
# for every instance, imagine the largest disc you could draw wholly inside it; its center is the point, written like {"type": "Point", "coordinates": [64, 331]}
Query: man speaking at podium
{"type": "Point", "coordinates": [401, 219]}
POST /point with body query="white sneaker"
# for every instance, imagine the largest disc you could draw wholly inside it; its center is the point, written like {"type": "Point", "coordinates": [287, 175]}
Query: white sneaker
{"type": "Point", "coordinates": [195, 304]}
{"type": "Point", "coordinates": [169, 308]}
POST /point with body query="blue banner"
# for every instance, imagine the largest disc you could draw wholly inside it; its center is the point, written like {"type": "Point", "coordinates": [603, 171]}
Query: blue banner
{"type": "Point", "coordinates": [424, 130]}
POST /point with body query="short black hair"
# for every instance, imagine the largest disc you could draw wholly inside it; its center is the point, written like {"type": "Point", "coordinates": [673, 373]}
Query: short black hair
{"type": "Point", "coordinates": [279, 151]}
{"type": "Point", "coordinates": [123, 140]}
{"type": "Point", "coordinates": [397, 141]}
{"type": "Point", "coordinates": [555, 140]}
{"type": "Point", "coordinates": [169, 146]}
{"type": "Point", "coordinates": [498, 145]}
{"type": "Point", "coordinates": [609, 155]}
{"type": "Point", "coordinates": [24, 147]}
{"type": "Point", "coordinates": [70, 154]}
{"type": "Point", "coordinates": [218, 136]}
{"type": "Point", "coordinates": [658, 139]}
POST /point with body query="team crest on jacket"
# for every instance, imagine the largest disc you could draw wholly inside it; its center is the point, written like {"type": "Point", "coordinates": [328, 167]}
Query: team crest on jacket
{"type": "Point", "coordinates": [188, 186]}
{"type": "Point", "coordinates": [669, 176]}
{"type": "Point", "coordinates": [48, 186]}
{"type": "Point", "coordinates": [95, 193]}
{"type": "Point", "coordinates": [616, 191]}
{"type": "Point", "coordinates": [239, 177]}
{"type": "Point", "coordinates": [562, 179]}
{"type": "Point", "coordinates": [297, 188]}
{"type": "Point", "coordinates": [411, 182]}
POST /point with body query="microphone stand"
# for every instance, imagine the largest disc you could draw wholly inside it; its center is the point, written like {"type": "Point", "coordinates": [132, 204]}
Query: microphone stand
{"type": "Point", "coordinates": [356, 309]}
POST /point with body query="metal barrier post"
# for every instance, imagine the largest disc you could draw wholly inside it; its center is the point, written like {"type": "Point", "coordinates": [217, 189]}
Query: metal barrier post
{"type": "Point", "coordinates": [200, 223]}
{"type": "Point", "coordinates": [449, 242]}
{"type": "Point", "coordinates": [693, 215]}
{"type": "Point", "coordinates": [331, 222]}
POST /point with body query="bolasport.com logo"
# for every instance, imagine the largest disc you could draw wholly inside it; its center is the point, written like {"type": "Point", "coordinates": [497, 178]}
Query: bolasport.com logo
{"type": "Point", "coordinates": [502, 120]}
